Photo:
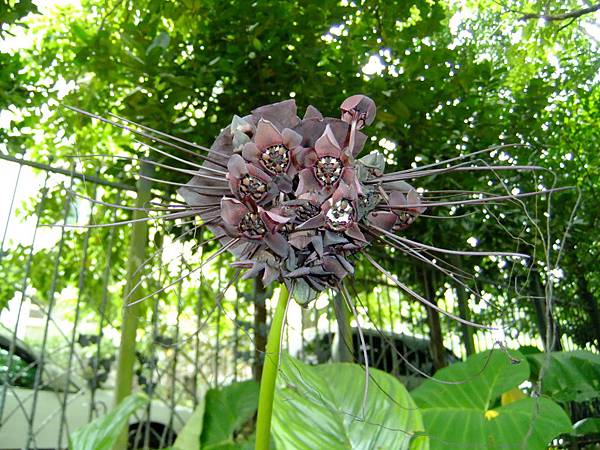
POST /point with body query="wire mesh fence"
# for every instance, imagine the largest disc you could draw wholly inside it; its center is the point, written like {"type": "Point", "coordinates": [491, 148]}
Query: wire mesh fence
{"type": "Point", "coordinates": [61, 315]}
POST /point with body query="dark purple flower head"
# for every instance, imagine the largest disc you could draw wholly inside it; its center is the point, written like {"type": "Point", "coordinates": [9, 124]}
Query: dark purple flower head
{"type": "Point", "coordinates": [298, 202]}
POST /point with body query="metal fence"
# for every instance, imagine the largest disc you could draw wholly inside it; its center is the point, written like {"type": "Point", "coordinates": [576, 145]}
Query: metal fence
{"type": "Point", "coordinates": [60, 316]}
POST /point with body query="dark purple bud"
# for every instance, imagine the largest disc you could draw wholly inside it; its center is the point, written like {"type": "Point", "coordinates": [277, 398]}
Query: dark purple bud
{"type": "Point", "coordinates": [360, 108]}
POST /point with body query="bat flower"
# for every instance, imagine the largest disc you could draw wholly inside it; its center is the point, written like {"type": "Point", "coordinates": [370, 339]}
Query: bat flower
{"type": "Point", "coordinates": [326, 166]}
{"type": "Point", "coordinates": [251, 222]}
{"type": "Point", "coordinates": [273, 150]}
{"type": "Point", "coordinates": [296, 200]}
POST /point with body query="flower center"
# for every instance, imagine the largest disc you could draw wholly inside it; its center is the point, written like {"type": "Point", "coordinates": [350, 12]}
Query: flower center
{"type": "Point", "coordinates": [307, 211]}
{"type": "Point", "coordinates": [340, 215]}
{"type": "Point", "coordinates": [252, 225]}
{"type": "Point", "coordinates": [276, 158]}
{"type": "Point", "coordinates": [404, 220]}
{"type": "Point", "coordinates": [328, 170]}
{"type": "Point", "coordinates": [250, 185]}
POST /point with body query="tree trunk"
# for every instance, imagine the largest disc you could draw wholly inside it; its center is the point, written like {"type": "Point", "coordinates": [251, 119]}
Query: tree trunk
{"type": "Point", "coordinates": [465, 313]}
{"type": "Point", "coordinates": [130, 314]}
{"type": "Point", "coordinates": [591, 306]}
{"type": "Point", "coordinates": [436, 344]}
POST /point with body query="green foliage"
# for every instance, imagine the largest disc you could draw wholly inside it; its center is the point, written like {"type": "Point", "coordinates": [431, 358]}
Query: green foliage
{"type": "Point", "coordinates": [587, 426]}
{"type": "Point", "coordinates": [189, 437]}
{"type": "Point", "coordinates": [322, 407]}
{"type": "Point", "coordinates": [567, 376]}
{"type": "Point", "coordinates": [227, 412]}
{"type": "Point", "coordinates": [461, 409]}
{"type": "Point", "coordinates": [102, 433]}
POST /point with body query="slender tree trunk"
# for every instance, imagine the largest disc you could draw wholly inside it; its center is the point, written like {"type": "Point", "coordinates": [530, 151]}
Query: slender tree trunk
{"type": "Point", "coordinates": [436, 345]}
{"type": "Point", "coordinates": [344, 347]}
{"type": "Point", "coordinates": [591, 306]}
{"type": "Point", "coordinates": [465, 313]}
{"type": "Point", "coordinates": [130, 314]}
{"type": "Point", "coordinates": [541, 312]}
{"type": "Point", "coordinates": [260, 329]}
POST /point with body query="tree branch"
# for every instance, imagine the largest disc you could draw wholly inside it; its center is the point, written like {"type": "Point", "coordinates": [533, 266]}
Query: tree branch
{"type": "Point", "coordinates": [568, 15]}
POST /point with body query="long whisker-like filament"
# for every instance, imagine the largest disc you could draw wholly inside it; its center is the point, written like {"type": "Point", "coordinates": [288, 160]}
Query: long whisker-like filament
{"type": "Point", "coordinates": [178, 280]}
{"type": "Point", "coordinates": [409, 291]}
{"type": "Point", "coordinates": [479, 201]}
{"type": "Point", "coordinates": [175, 158]}
{"type": "Point", "coordinates": [419, 245]}
{"type": "Point", "coordinates": [160, 133]}
{"type": "Point", "coordinates": [224, 189]}
{"type": "Point", "coordinates": [461, 157]}
{"type": "Point", "coordinates": [148, 136]}
{"type": "Point", "coordinates": [458, 168]}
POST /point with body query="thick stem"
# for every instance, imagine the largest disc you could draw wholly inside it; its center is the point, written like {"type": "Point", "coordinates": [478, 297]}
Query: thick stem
{"type": "Point", "coordinates": [344, 350]}
{"type": "Point", "coordinates": [269, 375]}
{"type": "Point", "coordinates": [130, 314]}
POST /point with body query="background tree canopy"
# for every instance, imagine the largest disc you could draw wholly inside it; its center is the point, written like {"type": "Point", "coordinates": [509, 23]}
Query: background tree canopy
{"type": "Point", "coordinates": [449, 78]}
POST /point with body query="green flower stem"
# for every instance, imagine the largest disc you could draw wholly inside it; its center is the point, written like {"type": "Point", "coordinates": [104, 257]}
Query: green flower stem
{"type": "Point", "coordinates": [269, 375]}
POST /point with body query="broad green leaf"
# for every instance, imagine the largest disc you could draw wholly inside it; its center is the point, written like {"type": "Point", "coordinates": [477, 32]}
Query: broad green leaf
{"type": "Point", "coordinates": [226, 410]}
{"type": "Point", "coordinates": [466, 412]}
{"type": "Point", "coordinates": [321, 407]}
{"type": "Point", "coordinates": [102, 433]}
{"type": "Point", "coordinates": [568, 376]}
{"type": "Point", "coordinates": [189, 437]}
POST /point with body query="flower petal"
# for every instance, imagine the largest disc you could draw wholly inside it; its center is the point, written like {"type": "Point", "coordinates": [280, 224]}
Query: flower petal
{"type": "Point", "coordinates": [300, 239]}
{"type": "Point", "coordinates": [314, 222]}
{"type": "Point", "coordinates": [359, 107]}
{"type": "Point", "coordinates": [413, 198]}
{"type": "Point", "coordinates": [273, 221]}
{"type": "Point", "coordinates": [283, 114]}
{"type": "Point", "coordinates": [307, 182]}
{"type": "Point", "coordinates": [351, 180]}
{"type": "Point", "coordinates": [251, 152]}
{"type": "Point", "coordinates": [255, 271]}
{"type": "Point", "coordinates": [312, 113]}
{"type": "Point", "coordinates": [327, 145]}
{"type": "Point", "coordinates": [333, 266]}
{"type": "Point", "coordinates": [291, 139]}
{"type": "Point", "coordinates": [397, 199]}
{"type": "Point", "coordinates": [236, 167]}
{"type": "Point", "coordinates": [232, 211]}
{"type": "Point", "coordinates": [284, 183]}
{"type": "Point", "coordinates": [354, 232]}
{"type": "Point", "coordinates": [256, 172]}
{"type": "Point", "coordinates": [317, 242]}
{"type": "Point", "coordinates": [270, 275]}
{"type": "Point", "coordinates": [382, 219]}
{"type": "Point", "coordinates": [277, 243]}
{"type": "Point", "coordinates": [304, 157]}
{"type": "Point", "coordinates": [267, 135]}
